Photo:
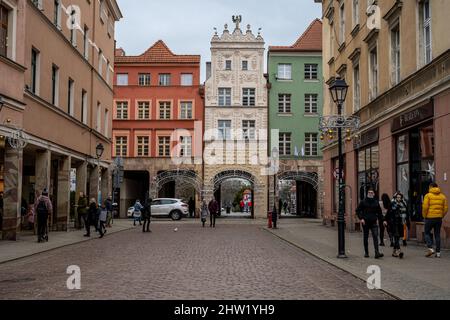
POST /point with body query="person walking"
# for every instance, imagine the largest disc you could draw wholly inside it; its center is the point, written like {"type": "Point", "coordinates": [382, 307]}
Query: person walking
{"type": "Point", "coordinates": [103, 215]}
{"type": "Point", "coordinates": [381, 219]}
{"type": "Point", "coordinates": [274, 217]}
{"type": "Point", "coordinates": [434, 209]}
{"type": "Point", "coordinates": [368, 212]}
{"type": "Point", "coordinates": [394, 222]}
{"type": "Point", "coordinates": [137, 214]}
{"type": "Point", "coordinates": [147, 215]}
{"type": "Point", "coordinates": [285, 207]}
{"type": "Point", "coordinates": [386, 205]}
{"type": "Point", "coordinates": [204, 212]}
{"type": "Point", "coordinates": [91, 217]}
{"type": "Point", "coordinates": [213, 211]}
{"type": "Point", "coordinates": [82, 210]}
{"type": "Point", "coordinates": [109, 209]}
{"type": "Point", "coordinates": [399, 203]}
{"type": "Point", "coordinates": [191, 205]}
{"type": "Point", "coordinates": [43, 209]}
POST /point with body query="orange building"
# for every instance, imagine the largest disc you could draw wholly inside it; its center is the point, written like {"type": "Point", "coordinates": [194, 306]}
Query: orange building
{"type": "Point", "coordinates": [158, 124]}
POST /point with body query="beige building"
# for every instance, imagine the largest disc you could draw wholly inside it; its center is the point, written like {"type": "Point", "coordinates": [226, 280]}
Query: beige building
{"type": "Point", "coordinates": [236, 106]}
{"type": "Point", "coordinates": [395, 57]}
{"type": "Point", "coordinates": [57, 104]}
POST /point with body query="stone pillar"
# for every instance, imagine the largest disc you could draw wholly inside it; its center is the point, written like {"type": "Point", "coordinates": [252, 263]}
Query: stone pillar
{"type": "Point", "coordinates": [106, 185]}
{"type": "Point", "coordinates": [63, 200]}
{"type": "Point", "coordinates": [93, 183]}
{"type": "Point", "coordinates": [13, 193]}
{"type": "Point", "coordinates": [81, 184]}
{"type": "Point", "coordinates": [43, 169]}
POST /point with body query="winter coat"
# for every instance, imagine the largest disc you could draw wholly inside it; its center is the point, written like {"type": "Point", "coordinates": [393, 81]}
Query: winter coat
{"type": "Point", "coordinates": [82, 206]}
{"type": "Point", "coordinates": [401, 209]}
{"type": "Point", "coordinates": [103, 214]}
{"type": "Point", "coordinates": [147, 210]}
{"type": "Point", "coordinates": [213, 207]}
{"type": "Point", "coordinates": [205, 211]}
{"type": "Point", "coordinates": [435, 204]}
{"type": "Point", "coordinates": [93, 213]}
{"type": "Point", "coordinates": [369, 210]}
{"type": "Point", "coordinates": [108, 205]}
{"type": "Point", "coordinates": [48, 204]}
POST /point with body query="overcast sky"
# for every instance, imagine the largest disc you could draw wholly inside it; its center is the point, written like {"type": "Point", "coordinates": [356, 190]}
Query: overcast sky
{"type": "Point", "coordinates": [186, 26]}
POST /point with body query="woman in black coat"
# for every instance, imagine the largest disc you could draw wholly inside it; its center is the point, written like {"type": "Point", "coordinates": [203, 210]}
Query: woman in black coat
{"type": "Point", "coordinates": [93, 213]}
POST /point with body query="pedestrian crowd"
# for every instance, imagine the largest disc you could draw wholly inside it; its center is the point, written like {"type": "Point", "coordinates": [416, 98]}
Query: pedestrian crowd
{"type": "Point", "coordinates": [391, 215]}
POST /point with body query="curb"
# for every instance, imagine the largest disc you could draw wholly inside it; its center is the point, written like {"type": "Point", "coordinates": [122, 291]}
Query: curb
{"type": "Point", "coordinates": [62, 246]}
{"type": "Point", "coordinates": [327, 261]}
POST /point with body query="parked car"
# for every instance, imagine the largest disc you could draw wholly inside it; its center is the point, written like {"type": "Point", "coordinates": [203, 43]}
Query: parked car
{"type": "Point", "coordinates": [130, 212]}
{"type": "Point", "coordinates": [175, 209]}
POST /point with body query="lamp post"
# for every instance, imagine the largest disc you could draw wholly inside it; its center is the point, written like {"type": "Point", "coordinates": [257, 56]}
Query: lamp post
{"type": "Point", "coordinates": [328, 126]}
{"type": "Point", "coordinates": [99, 152]}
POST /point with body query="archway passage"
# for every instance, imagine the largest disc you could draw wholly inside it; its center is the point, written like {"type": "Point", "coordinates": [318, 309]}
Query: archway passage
{"type": "Point", "coordinates": [180, 184]}
{"type": "Point", "coordinates": [298, 194]}
{"type": "Point", "coordinates": [234, 191]}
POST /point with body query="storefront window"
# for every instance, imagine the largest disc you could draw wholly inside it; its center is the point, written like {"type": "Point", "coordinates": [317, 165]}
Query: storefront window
{"type": "Point", "coordinates": [368, 174]}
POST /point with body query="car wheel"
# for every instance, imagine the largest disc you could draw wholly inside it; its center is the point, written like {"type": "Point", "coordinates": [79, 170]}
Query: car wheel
{"type": "Point", "coordinates": [175, 215]}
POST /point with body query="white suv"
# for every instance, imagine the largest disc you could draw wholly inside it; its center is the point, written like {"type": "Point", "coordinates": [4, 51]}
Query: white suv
{"type": "Point", "coordinates": [172, 208]}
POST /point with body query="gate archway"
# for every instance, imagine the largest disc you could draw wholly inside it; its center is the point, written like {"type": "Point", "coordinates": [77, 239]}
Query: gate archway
{"type": "Point", "coordinates": [183, 177]}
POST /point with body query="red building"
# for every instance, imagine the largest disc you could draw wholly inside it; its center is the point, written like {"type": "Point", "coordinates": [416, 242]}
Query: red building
{"type": "Point", "coordinates": [158, 124]}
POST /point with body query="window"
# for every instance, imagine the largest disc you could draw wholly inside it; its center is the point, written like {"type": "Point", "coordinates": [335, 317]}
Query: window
{"type": "Point", "coordinates": [86, 42]}
{"type": "Point", "coordinates": [356, 89]}
{"type": "Point", "coordinates": [245, 65]}
{"type": "Point", "coordinates": [164, 79]}
{"type": "Point", "coordinates": [144, 79]}
{"type": "Point", "coordinates": [373, 73]}
{"type": "Point", "coordinates": [106, 123]}
{"type": "Point", "coordinates": [311, 103]}
{"type": "Point", "coordinates": [285, 71]}
{"type": "Point", "coordinates": [311, 144]}
{"type": "Point", "coordinates": [55, 85]}
{"type": "Point", "coordinates": [121, 146]}
{"type": "Point", "coordinates": [187, 79]}
{"type": "Point", "coordinates": [4, 31]}
{"type": "Point", "coordinates": [164, 146]}
{"type": "Point", "coordinates": [121, 110]}
{"type": "Point", "coordinates": [71, 88]}
{"type": "Point", "coordinates": [99, 117]}
{"type": "Point", "coordinates": [248, 129]}
{"type": "Point", "coordinates": [164, 110]}
{"type": "Point", "coordinates": [103, 12]}
{"type": "Point", "coordinates": [34, 71]}
{"type": "Point", "coordinates": [311, 71]}
{"type": "Point", "coordinates": [342, 23]}
{"type": "Point", "coordinates": [225, 97]}
{"type": "Point", "coordinates": [100, 62]}
{"type": "Point", "coordinates": [355, 13]}
{"type": "Point", "coordinates": [186, 110]}
{"type": "Point", "coordinates": [57, 13]}
{"type": "Point", "coordinates": [395, 55]}
{"type": "Point", "coordinates": [143, 146]}
{"type": "Point", "coordinates": [122, 79]}
{"type": "Point", "coordinates": [224, 129]}
{"type": "Point", "coordinates": [186, 147]}
{"type": "Point", "coordinates": [228, 65]}
{"type": "Point", "coordinates": [143, 110]}
{"type": "Point", "coordinates": [248, 97]}
{"type": "Point", "coordinates": [108, 66]}
{"type": "Point", "coordinates": [426, 45]}
{"type": "Point", "coordinates": [73, 28]}
{"type": "Point", "coordinates": [84, 106]}
{"type": "Point", "coordinates": [368, 164]}
{"type": "Point", "coordinates": [285, 144]}
{"type": "Point", "coordinates": [284, 103]}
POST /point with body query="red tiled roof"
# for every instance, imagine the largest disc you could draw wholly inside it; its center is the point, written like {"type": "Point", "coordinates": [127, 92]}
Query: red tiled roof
{"type": "Point", "coordinates": [159, 53]}
{"type": "Point", "coordinates": [310, 40]}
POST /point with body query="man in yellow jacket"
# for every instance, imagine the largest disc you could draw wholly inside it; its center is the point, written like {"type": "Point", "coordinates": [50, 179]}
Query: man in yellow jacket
{"type": "Point", "coordinates": [434, 209]}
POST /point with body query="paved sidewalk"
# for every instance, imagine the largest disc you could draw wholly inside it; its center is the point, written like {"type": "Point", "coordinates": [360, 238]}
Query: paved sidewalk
{"type": "Point", "coordinates": [27, 244]}
{"type": "Point", "coordinates": [414, 277]}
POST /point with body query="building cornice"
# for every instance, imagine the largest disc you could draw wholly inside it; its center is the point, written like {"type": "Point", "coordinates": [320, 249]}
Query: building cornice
{"type": "Point", "coordinates": [114, 7]}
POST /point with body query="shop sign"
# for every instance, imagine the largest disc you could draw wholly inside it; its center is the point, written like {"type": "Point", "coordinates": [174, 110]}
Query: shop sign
{"type": "Point", "coordinates": [412, 117]}
{"type": "Point", "coordinates": [367, 138]}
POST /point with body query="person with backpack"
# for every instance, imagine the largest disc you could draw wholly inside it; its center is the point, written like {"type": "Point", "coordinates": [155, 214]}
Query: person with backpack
{"type": "Point", "coordinates": [43, 209]}
{"type": "Point", "coordinates": [137, 214]}
{"type": "Point", "coordinates": [434, 209]}
{"type": "Point", "coordinates": [213, 208]}
{"type": "Point", "coordinates": [147, 215]}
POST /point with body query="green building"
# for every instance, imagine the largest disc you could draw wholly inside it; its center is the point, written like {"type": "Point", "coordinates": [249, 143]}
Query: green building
{"type": "Point", "coordinates": [295, 105]}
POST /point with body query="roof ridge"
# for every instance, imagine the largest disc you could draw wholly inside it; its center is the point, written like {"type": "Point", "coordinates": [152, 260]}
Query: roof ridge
{"type": "Point", "coordinates": [306, 32]}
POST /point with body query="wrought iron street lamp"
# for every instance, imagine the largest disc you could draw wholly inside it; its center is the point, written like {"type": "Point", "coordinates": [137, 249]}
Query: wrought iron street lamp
{"type": "Point", "coordinates": [328, 126]}
{"type": "Point", "coordinates": [99, 152]}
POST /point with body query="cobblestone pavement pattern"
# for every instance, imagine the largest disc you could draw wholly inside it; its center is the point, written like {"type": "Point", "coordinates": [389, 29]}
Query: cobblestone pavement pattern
{"type": "Point", "coordinates": [233, 262]}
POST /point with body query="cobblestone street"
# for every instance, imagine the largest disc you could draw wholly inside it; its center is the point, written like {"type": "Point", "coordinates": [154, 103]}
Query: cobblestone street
{"type": "Point", "coordinates": [237, 260]}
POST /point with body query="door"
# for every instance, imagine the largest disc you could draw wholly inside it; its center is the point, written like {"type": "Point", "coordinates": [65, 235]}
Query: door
{"type": "Point", "coordinates": [156, 207]}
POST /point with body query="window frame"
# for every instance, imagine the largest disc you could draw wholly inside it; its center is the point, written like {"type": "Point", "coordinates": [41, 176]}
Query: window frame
{"type": "Point", "coordinates": [248, 97]}
{"type": "Point", "coordinates": [164, 79]}
{"type": "Point", "coordinates": [311, 144]}
{"type": "Point", "coordinates": [309, 103]}
{"type": "Point", "coordinates": [122, 76]}
{"type": "Point", "coordinates": [309, 71]}
{"type": "Point", "coordinates": [122, 108]}
{"type": "Point", "coordinates": [144, 79]}
{"type": "Point", "coordinates": [286, 105]}
{"type": "Point", "coordinates": [285, 144]}
{"type": "Point", "coordinates": [225, 95]}
{"type": "Point", "coordinates": [284, 71]}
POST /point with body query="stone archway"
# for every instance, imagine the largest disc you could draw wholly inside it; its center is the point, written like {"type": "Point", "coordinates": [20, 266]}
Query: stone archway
{"type": "Point", "coordinates": [189, 177]}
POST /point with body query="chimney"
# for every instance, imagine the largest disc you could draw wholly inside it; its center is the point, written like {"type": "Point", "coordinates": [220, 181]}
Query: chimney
{"type": "Point", "coordinates": [120, 52]}
{"type": "Point", "coordinates": [208, 70]}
